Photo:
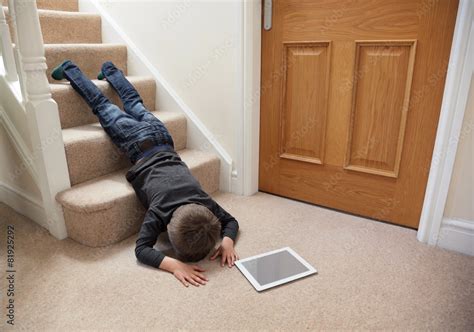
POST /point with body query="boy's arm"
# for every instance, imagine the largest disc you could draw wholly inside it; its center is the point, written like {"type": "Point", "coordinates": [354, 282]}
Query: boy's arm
{"type": "Point", "coordinates": [146, 254]}
{"type": "Point", "coordinates": [229, 224]}
{"type": "Point", "coordinates": [147, 237]}
{"type": "Point", "coordinates": [229, 230]}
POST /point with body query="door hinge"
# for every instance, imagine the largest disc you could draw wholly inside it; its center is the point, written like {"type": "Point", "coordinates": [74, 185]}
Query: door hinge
{"type": "Point", "coordinates": [267, 14]}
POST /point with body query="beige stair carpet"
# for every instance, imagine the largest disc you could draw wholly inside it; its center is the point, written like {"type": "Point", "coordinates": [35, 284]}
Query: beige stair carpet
{"type": "Point", "coordinates": [91, 153]}
{"type": "Point", "coordinates": [372, 276]}
{"type": "Point", "coordinates": [74, 111]}
{"type": "Point", "coordinates": [105, 210]}
{"type": "Point", "coordinates": [61, 27]}
{"type": "Point", "coordinates": [88, 57]}
{"type": "Point", "coordinates": [62, 5]}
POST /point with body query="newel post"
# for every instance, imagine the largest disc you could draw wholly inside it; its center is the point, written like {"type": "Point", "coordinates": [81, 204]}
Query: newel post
{"type": "Point", "coordinates": [42, 115]}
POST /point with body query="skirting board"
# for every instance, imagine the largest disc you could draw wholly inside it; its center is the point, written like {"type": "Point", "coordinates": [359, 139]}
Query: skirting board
{"type": "Point", "coordinates": [457, 235]}
{"type": "Point", "coordinates": [22, 203]}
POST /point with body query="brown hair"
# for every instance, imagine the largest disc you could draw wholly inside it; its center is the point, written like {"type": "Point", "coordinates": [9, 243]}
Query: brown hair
{"type": "Point", "coordinates": [193, 231]}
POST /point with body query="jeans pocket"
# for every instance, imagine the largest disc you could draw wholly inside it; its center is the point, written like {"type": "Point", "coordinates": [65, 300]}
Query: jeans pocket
{"type": "Point", "coordinates": [132, 128]}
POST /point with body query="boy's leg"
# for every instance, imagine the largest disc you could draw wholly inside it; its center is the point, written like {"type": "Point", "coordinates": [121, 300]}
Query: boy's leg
{"type": "Point", "coordinates": [132, 102]}
{"type": "Point", "coordinates": [115, 122]}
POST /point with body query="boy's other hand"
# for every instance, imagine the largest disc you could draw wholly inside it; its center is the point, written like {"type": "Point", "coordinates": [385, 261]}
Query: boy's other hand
{"type": "Point", "coordinates": [227, 252]}
{"type": "Point", "coordinates": [187, 274]}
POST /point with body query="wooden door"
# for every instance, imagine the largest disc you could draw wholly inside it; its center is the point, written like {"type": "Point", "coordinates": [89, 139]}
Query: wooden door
{"type": "Point", "coordinates": [351, 95]}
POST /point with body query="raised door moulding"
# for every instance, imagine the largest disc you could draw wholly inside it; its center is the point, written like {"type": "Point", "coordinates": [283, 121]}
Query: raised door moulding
{"type": "Point", "coordinates": [383, 73]}
{"type": "Point", "coordinates": [304, 90]}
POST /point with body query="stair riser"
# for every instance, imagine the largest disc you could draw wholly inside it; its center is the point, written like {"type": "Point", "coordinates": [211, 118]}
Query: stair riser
{"type": "Point", "coordinates": [65, 5]}
{"type": "Point", "coordinates": [124, 217]}
{"type": "Point", "coordinates": [105, 227]}
{"type": "Point", "coordinates": [66, 28]}
{"type": "Point", "coordinates": [94, 160]}
{"type": "Point", "coordinates": [71, 29]}
{"type": "Point", "coordinates": [89, 58]}
{"type": "Point", "coordinates": [74, 111]}
{"type": "Point", "coordinates": [90, 159]}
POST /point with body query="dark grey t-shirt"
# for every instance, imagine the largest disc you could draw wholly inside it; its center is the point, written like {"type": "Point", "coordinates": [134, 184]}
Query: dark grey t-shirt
{"type": "Point", "coordinates": [163, 183]}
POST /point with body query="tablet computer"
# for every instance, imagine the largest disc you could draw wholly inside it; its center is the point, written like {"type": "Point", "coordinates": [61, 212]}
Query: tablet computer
{"type": "Point", "coordinates": [274, 268]}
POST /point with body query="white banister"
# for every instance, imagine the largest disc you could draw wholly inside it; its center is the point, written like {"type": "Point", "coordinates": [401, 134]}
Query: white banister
{"type": "Point", "coordinates": [19, 69]}
{"type": "Point", "coordinates": [6, 49]}
{"type": "Point", "coordinates": [41, 112]}
{"type": "Point", "coordinates": [29, 45]}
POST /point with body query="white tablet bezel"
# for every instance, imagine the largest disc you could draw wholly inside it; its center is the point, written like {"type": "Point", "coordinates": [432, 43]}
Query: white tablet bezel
{"type": "Point", "coordinates": [256, 284]}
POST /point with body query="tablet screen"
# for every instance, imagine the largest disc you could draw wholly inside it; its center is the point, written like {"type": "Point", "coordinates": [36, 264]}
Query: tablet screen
{"type": "Point", "coordinates": [274, 267]}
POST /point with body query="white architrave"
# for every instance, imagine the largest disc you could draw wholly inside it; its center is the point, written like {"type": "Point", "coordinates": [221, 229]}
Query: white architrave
{"type": "Point", "coordinates": [455, 97]}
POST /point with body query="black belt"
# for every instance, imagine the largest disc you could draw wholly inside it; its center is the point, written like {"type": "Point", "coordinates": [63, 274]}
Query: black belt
{"type": "Point", "coordinates": [154, 149]}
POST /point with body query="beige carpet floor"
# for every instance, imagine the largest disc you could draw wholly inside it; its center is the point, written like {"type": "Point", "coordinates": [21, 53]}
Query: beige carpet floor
{"type": "Point", "coordinates": [371, 276]}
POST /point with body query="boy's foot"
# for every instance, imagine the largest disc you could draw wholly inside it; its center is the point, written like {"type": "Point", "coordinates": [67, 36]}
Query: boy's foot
{"type": "Point", "coordinates": [106, 66]}
{"type": "Point", "coordinates": [58, 72]}
{"type": "Point", "coordinates": [107, 69]}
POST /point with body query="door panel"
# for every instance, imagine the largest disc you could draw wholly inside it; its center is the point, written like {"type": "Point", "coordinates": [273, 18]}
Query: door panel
{"type": "Point", "coordinates": [305, 101]}
{"type": "Point", "coordinates": [381, 92]}
{"type": "Point", "coordinates": [351, 93]}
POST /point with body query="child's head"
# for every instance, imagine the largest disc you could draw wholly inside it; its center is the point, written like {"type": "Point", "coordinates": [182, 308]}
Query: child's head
{"type": "Point", "coordinates": [193, 231]}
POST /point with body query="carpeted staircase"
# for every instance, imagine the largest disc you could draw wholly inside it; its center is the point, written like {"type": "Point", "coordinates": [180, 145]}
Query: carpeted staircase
{"type": "Point", "coordinates": [101, 208]}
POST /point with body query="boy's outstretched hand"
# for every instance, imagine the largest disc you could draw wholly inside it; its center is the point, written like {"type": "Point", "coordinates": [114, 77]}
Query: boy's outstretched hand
{"type": "Point", "coordinates": [226, 251]}
{"type": "Point", "coordinates": [187, 274]}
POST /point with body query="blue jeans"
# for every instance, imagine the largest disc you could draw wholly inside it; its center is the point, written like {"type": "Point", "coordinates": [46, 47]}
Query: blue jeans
{"type": "Point", "coordinates": [129, 129]}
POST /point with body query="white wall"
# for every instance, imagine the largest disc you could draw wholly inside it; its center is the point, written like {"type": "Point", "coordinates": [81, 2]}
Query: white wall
{"type": "Point", "coordinates": [460, 203]}
{"type": "Point", "coordinates": [457, 229]}
{"type": "Point", "coordinates": [196, 47]}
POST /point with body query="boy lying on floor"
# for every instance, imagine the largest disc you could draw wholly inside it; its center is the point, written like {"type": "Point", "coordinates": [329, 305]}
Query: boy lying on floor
{"type": "Point", "coordinates": [163, 183]}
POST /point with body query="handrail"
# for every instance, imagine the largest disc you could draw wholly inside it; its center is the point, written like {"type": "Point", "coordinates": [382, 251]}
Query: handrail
{"type": "Point", "coordinates": [27, 60]}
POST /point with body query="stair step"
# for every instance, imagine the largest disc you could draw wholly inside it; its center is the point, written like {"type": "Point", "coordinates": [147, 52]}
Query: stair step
{"type": "Point", "coordinates": [66, 27]}
{"type": "Point", "coordinates": [74, 111]}
{"type": "Point", "coordinates": [89, 57]}
{"type": "Point", "coordinates": [70, 27]}
{"type": "Point", "coordinates": [106, 210]}
{"type": "Point", "coordinates": [62, 5]}
{"type": "Point", "coordinates": [90, 153]}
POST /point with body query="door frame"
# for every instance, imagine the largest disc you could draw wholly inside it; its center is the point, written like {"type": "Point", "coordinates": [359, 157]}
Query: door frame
{"type": "Point", "coordinates": [455, 97]}
{"type": "Point", "coordinates": [449, 127]}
